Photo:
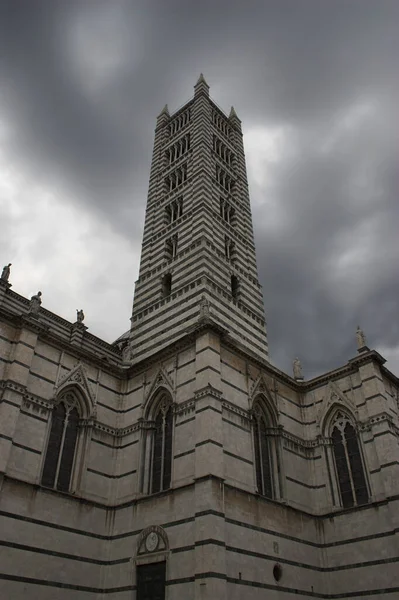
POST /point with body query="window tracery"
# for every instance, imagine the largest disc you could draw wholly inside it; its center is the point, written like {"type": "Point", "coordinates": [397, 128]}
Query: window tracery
{"type": "Point", "coordinates": [263, 454]}
{"type": "Point", "coordinates": [348, 461]}
{"type": "Point", "coordinates": [61, 447]}
{"type": "Point", "coordinates": [161, 467]}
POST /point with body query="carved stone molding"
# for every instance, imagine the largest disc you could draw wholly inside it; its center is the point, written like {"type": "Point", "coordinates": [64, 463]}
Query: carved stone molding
{"type": "Point", "coordinates": [11, 385]}
{"type": "Point", "coordinates": [208, 391]}
{"type": "Point", "coordinates": [152, 540]}
{"type": "Point", "coordinates": [37, 401]}
{"type": "Point", "coordinates": [162, 379]}
{"type": "Point", "coordinates": [185, 408]}
{"type": "Point", "coordinates": [36, 406]}
{"type": "Point", "coordinates": [78, 377]}
{"type": "Point", "coordinates": [378, 419]}
{"type": "Point", "coordinates": [230, 407]}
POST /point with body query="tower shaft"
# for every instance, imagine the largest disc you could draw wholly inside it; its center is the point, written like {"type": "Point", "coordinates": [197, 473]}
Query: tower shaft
{"type": "Point", "coordinates": [198, 250]}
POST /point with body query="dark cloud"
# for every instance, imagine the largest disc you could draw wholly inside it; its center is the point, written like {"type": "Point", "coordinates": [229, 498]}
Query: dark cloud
{"type": "Point", "coordinates": [82, 82]}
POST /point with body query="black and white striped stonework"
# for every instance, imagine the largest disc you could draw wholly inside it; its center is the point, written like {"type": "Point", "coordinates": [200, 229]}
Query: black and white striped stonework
{"type": "Point", "coordinates": [198, 236]}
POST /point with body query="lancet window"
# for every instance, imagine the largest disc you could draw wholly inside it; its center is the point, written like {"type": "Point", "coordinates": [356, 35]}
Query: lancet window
{"type": "Point", "coordinates": [263, 453]}
{"type": "Point", "coordinates": [166, 285]}
{"type": "Point", "coordinates": [222, 151]}
{"type": "Point", "coordinates": [224, 179]}
{"type": "Point", "coordinates": [61, 446]}
{"type": "Point", "coordinates": [229, 248]}
{"type": "Point", "coordinates": [174, 210]}
{"type": "Point", "coordinates": [161, 463]}
{"type": "Point", "coordinates": [348, 461]}
{"type": "Point", "coordinates": [176, 178]}
{"type": "Point", "coordinates": [171, 247]}
{"type": "Point", "coordinates": [221, 123]}
{"type": "Point", "coordinates": [227, 212]}
{"type": "Point", "coordinates": [180, 121]}
{"type": "Point", "coordinates": [235, 286]}
{"type": "Point", "coordinates": [178, 149]}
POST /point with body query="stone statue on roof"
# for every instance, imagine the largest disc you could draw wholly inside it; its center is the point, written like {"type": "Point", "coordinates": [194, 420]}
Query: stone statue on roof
{"type": "Point", "coordinates": [5, 274]}
{"type": "Point", "coordinates": [360, 338]}
{"type": "Point", "coordinates": [297, 369]}
{"type": "Point", "coordinates": [35, 303]}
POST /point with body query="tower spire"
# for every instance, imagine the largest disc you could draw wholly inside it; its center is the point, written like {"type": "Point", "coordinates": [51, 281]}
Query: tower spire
{"type": "Point", "coordinates": [164, 111]}
{"type": "Point", "coordinates": [201, 79]}
{"type": "Point", "coordinates": [201, 87]}
{"type": "Point", "coordinates": [163, 116]}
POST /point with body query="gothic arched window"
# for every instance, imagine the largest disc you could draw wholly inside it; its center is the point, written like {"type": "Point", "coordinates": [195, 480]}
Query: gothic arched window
{"type": "Point", "coordinates": [263, 455]}
{"type": "Point", "coordinates": [349, 464]}
{"type": "Point", "coordinates": [61, 447]}
{"type": "Point", "coordinates": [161, 468]}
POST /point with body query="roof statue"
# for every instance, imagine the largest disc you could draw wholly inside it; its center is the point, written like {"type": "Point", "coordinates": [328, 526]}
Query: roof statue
{"type": "Point", "coordinates": [5, 274]}
{"type": "Point", "coordinates": [297, 369]}
{"type": "Point", "coordinates": [360, 338]}
{"type": "Point", "coordinates": [35, 303]}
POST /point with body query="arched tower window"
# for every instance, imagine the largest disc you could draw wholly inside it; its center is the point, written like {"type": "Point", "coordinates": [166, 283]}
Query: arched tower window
{"type": "Point", "coordinates": [61, 447]}
{"type": "Point", "coordinates": [263, 454]}
{"type": "Point", "coordinates": [348, 462]}
{"type": "Point", "coordinates": [161, 468]}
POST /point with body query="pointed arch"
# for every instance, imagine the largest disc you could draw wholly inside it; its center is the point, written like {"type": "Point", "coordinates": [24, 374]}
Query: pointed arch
{"type": "Point", "coordinates": [334, 399]}
{"type": "Point", "coordinates": [153, 404]}
{"type": "Point", "coordinates": [60, 456]}
{"type": "Point", "coordinates": [78, 380]}
{"type": "Point", "coordinates": [340, 427]}
{"type": "Point", "coordinates": [158, 438]}
{"type": "Point", "coordinates": [261, 389]}
{"type": "Point", "coordinates": [161, 385]}
{"type": "Point", "coordinates": [264, 419]}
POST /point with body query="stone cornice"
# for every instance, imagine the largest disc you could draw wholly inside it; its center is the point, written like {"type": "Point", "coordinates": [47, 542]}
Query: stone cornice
{"type": "Point", "coordinates": [12, 385]}
{"type": "Point", "coordinates": [244, 414]}
{"type": "Point", "coordinates": [185, 407]}
{"type": "Point", "coordinates": [208, 391]}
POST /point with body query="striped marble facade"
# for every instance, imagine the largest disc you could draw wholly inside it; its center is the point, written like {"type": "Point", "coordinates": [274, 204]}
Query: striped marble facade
{"type": "Point", "coordinates": [195, 350]}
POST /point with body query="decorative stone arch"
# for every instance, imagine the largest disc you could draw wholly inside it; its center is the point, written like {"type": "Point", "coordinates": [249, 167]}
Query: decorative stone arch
{"type": "Point", "coordinates": [152, 552]}
{"type": "Point", "coordinates": [69, 432]}
{"type": "Point", "coordinates": [160, 400]}
{"type": "Point", "coordinates": [336, 409]}
{"type": "Point", "coordinates": [162, 385]}
{"type": "Point", "coordinates": [261, 394]}
{"type": "Point", "coordinates": [156, 447]}
{"type": "Point", "coordinates": [346, 466]}
{"type": "Point", "coordinates": [266, 444]}
{"type": "Point", "coordinates": [77, 382]}
{"type": "Point", "coordinates": [261, 404]}
{"type": "Point", "coordinates": [152, 541]}
{"type": "Point", "coordinates": [334, 400]}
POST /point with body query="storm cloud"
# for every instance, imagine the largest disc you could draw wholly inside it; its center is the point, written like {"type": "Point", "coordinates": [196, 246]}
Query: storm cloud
{"type": "Point", "coordinates": [315, 85]}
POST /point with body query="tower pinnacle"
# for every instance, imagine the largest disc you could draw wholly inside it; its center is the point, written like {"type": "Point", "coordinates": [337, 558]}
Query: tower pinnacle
{"type": "Point", "coordinates": [163, 116]}
{"type": "Point", "coordinates": [201, 79]}
{"type": "Point", "coordinates": [201, 87]}
{"type": "Point", "coordinates": [164, 111]}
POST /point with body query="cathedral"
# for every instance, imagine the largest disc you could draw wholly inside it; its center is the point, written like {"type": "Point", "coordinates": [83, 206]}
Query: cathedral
{"type": "Point", "coordinates": [178, 462]}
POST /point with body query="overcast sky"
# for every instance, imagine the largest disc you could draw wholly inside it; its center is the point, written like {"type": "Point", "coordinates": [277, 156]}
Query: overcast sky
{"type": "Point", "coordinates": [315, 84]}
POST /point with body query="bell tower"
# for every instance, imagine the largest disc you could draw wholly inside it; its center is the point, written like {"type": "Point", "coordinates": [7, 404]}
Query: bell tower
{"type": "Point", "coordinates": [198, 254]}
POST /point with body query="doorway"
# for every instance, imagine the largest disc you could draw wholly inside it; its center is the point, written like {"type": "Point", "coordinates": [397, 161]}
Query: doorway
{"type": "Point", "coordinates": [151, 581]}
